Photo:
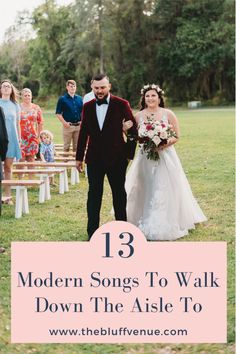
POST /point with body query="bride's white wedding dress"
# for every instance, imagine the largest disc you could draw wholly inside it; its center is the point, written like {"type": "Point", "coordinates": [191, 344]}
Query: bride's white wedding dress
{"type": "Point", "coordinates": [159, 198]}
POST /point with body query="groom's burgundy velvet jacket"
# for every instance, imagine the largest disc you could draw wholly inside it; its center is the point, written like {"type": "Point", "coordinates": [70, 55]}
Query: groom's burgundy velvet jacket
{"type": "Point", "coordinates": [106, 145]}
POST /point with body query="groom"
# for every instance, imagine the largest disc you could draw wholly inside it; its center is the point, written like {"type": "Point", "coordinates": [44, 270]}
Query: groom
{"type": "Point", "coordinates": [106, 153]}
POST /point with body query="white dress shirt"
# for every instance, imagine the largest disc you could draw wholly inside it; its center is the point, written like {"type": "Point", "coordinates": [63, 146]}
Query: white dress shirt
{"type": "Point", "coordinates": [88, 97]}
{"type": "Point", "coordinates": [101, 112]}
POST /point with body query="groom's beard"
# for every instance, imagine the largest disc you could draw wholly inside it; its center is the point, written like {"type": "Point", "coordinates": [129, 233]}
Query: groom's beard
{"type": "Point", "coordinates": [102, 98]}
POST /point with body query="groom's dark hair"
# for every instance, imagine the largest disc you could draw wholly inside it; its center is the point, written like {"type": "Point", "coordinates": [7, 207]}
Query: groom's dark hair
{"type": "Point", "coordinates": [99, 77]}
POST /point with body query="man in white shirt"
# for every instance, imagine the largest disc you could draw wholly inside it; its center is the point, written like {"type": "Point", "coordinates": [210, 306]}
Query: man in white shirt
{"type": "Point", "coordinates": [88, 97]}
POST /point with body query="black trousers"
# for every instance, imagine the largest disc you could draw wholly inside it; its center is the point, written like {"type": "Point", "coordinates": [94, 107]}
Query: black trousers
{"type": "Point", "coordinates": [116, 177]}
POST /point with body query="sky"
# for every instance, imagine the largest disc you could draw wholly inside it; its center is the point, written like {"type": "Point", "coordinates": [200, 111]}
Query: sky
{"type": "Point", "coordinates": [10, 8]}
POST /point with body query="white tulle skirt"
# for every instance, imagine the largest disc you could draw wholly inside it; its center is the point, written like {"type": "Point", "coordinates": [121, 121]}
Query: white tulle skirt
{"type": "Point", "coordinates": [159, 198]}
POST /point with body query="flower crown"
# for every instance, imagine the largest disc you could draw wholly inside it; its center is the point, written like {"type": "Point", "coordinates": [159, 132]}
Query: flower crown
{"type": "Point", "coordinates": [152, 87]}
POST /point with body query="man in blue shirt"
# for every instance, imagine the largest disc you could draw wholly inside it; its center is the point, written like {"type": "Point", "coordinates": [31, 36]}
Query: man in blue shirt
{"type": "Point", "coordinates": [68, 111]}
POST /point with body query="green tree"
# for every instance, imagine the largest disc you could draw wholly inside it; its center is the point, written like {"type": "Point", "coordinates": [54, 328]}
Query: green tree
{"type": "Point", "coordinates": [14, 62]}
{"type": "Point", "coordinates": [186, 46]}
{"type": "Point", "coordinates": [199, 55]}
{"type": "Point", "coordinates": [52, 25]}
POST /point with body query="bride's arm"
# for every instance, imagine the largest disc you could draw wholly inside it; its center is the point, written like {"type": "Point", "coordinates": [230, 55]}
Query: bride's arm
{"type": "Point", "coordinates": [136, 117]}
{"type": "Point", "coordinates": [172, 119]}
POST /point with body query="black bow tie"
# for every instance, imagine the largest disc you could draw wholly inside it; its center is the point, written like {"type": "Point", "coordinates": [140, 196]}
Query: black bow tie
{"type": "Point", "coordinates": [100, 102]}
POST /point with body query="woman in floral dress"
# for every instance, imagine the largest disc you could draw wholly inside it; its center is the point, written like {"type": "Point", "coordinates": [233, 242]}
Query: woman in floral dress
{"type": "Point", "coordinates": [31, 122]}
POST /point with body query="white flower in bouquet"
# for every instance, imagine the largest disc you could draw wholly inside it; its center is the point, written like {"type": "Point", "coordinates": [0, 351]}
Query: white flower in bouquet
{"type": "Point", "coordinates": [163, 135]}
{"type": "Point", "coordinates": [142, 130]}
{"type": "Point", "coordinates": [156, 140]}
{"type": "Point", "coordinates": [158, 128]}
{"type": "Point", "coordinates": [151, 133]}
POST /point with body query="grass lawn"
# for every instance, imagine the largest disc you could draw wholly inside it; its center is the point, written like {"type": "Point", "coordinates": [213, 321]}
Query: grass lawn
{"type": "Point", "coordinates": [206, 149]}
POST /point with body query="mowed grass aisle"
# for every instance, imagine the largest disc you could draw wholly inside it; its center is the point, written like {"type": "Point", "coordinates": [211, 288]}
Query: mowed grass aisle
{"type": "Point", "coordinates": [206, 149]}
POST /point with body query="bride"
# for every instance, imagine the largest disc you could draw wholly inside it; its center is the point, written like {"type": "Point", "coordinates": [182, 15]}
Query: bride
{"type": "Point", "coordinates": [159, 198]}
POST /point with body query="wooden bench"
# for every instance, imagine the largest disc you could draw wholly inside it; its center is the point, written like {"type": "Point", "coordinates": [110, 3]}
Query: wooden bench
{"type": "Point", "coordinates": [64, 158]}
{"type": "Point", "coordinates": [44, 175]}
{"type": "Point", "coordinates": [66, 154]}
{"type": "Point", "coordinates": [61, 148]}
{"type": "Point", "coordinates": [65, 165]}
{"type": "Point", "coordinates": [22, 204]}
{"type": "Point", "coordinates": [67, 157]}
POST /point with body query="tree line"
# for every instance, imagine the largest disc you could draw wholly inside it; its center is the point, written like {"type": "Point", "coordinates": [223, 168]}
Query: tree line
{"type": "Point", "coordinates": [186, 46]}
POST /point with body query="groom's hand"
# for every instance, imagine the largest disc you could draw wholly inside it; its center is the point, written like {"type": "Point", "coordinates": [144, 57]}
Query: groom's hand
{"type": "Point", "coordinates": [79, 165]}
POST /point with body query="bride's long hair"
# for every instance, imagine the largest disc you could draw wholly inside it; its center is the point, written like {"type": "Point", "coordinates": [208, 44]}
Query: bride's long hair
{"type": "Point", "coordinates": [147, 88]}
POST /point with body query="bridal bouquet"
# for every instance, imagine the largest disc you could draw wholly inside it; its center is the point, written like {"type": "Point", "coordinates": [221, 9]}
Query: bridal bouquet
{"type": "Point", "coordinates": [153, 134]}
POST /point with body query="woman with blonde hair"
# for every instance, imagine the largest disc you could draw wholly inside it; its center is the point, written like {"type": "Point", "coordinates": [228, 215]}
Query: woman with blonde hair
{"type": "Point", "coordinates": [31, 123]}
